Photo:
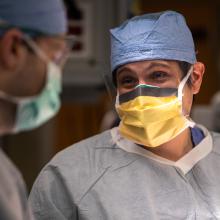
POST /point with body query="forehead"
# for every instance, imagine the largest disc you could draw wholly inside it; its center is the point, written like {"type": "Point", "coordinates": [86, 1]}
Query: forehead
{"type": "Point", "coordinates": [148, 65]}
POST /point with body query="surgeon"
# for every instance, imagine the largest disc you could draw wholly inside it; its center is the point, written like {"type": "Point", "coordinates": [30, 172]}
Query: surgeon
{"type": "Point", "coordinates": [33, 48]}
{"type": "Point", "coordinates": [158, 163]}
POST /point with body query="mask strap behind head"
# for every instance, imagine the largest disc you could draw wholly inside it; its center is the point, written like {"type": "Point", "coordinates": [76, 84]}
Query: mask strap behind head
{"type": "Point", "coordinates": [15, 99]}
{"type": "Point", "coordinates": [35, 48]}
{"type": "Point", "coordinates": [183, 82]}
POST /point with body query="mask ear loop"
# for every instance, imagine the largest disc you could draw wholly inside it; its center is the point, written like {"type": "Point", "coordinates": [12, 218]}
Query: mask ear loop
{"type": "Point", "coordinates": [180, 94]}
{"type": "Point", "coordinates": [14, 99]}
{"type": "Point", "coordinates": [117, 99]}
{"type": "Point", "coordinates": [182, 84]}
{"type": "Point", "coordinates": [35, 48]}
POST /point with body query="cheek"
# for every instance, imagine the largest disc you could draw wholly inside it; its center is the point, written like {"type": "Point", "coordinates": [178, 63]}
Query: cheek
{"type": "Point", "coordinates": [42, 75]}
{"type": "Point", "coordinates": [36, 74]}
{"type": "Point", "coordinates": [187, 101]}
{"type": "Point", "coordinates": [123, 90]}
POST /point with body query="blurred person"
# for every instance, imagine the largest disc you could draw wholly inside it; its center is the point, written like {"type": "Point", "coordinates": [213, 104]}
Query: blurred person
{"type": "Point", "coordinates": [157, 164]}
{"type": "Point", "coordinates": [33, 47]}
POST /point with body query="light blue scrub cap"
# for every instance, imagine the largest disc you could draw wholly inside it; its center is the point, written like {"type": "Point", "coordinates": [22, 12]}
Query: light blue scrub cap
{"type": "Point", "coordinates": [163, 35]}
{"type": "Point", "coordinates": [46, 16]}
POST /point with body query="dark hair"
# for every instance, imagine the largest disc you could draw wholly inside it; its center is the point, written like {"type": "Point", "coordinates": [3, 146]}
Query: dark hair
{"type": "Point", "coordinates": [114, 79]}
{"type": "Point", "coordinates": [184, 67]}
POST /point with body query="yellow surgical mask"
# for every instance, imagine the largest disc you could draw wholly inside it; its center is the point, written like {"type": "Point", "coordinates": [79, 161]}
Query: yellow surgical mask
{"type": "Point", "coordinates": [151, 115]}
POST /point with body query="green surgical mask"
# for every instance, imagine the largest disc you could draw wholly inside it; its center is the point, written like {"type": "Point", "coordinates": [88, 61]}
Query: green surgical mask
{"type": "Point", "coordinates": [32, 112]}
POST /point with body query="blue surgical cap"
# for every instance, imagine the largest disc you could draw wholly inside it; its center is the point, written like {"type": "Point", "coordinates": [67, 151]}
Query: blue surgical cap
{"type": "Point", "coordinates": [163, 35]}
{"type": "Point", "coordinates": [45, 16]}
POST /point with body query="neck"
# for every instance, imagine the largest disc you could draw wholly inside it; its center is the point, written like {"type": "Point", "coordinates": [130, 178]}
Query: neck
{"type": "Point", "coordinates": [7, 116]}
{"type": "Point", "coordinates": [176, 148]}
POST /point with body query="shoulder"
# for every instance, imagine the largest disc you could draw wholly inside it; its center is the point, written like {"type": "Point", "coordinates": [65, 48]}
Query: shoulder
{"type": "Point", "coordinates": [215, 136]}
{"type": "Point", "coordinates": [12, 191]}
{"type": "Point", "coordinates": [72, 173]}
{"type": "Point", "coordinates": [8, 167]}
{"type": "Point", "coordinates": [81, 165]}
{"type": "Point", "coordinates": [85, 150]}
{"type": "Point", "coordinates": [77, 167]}
{"type": "Point", "coordinates": [212, 137]}
{"type": "Point", "coordinates": [11, 178]}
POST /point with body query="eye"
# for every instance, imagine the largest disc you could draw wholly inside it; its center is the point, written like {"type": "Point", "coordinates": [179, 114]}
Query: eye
{"type": "Point", "coordinates": [127, 82]}
{"type": "Point", "coordinates": [159, 76]}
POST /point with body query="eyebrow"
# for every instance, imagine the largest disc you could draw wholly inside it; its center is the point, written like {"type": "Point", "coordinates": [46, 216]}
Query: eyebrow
{"type": "Point", "coordinates": [152, 65]}
{"type": "Point", "coordinates": [158, 64]}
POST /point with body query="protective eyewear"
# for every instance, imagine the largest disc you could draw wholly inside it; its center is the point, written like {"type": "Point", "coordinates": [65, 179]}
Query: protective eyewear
{"type": "Point", "coordinates": [60, 55]}
{"type": "Point", "coordinates": [29, 38]}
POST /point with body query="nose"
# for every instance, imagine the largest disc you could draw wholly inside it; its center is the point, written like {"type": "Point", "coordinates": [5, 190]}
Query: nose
{"type": "Point", "coordinates": [141, 81]}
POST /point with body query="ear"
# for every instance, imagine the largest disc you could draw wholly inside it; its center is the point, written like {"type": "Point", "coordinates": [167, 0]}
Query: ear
{"type": "Point", "coordinates": [197, 76]}
{"type": "Point", "coordinates": [11, 49]}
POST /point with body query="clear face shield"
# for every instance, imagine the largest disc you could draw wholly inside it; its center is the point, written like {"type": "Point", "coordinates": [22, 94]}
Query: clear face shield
{"type": "Point", "coordinates": [109, 85]}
